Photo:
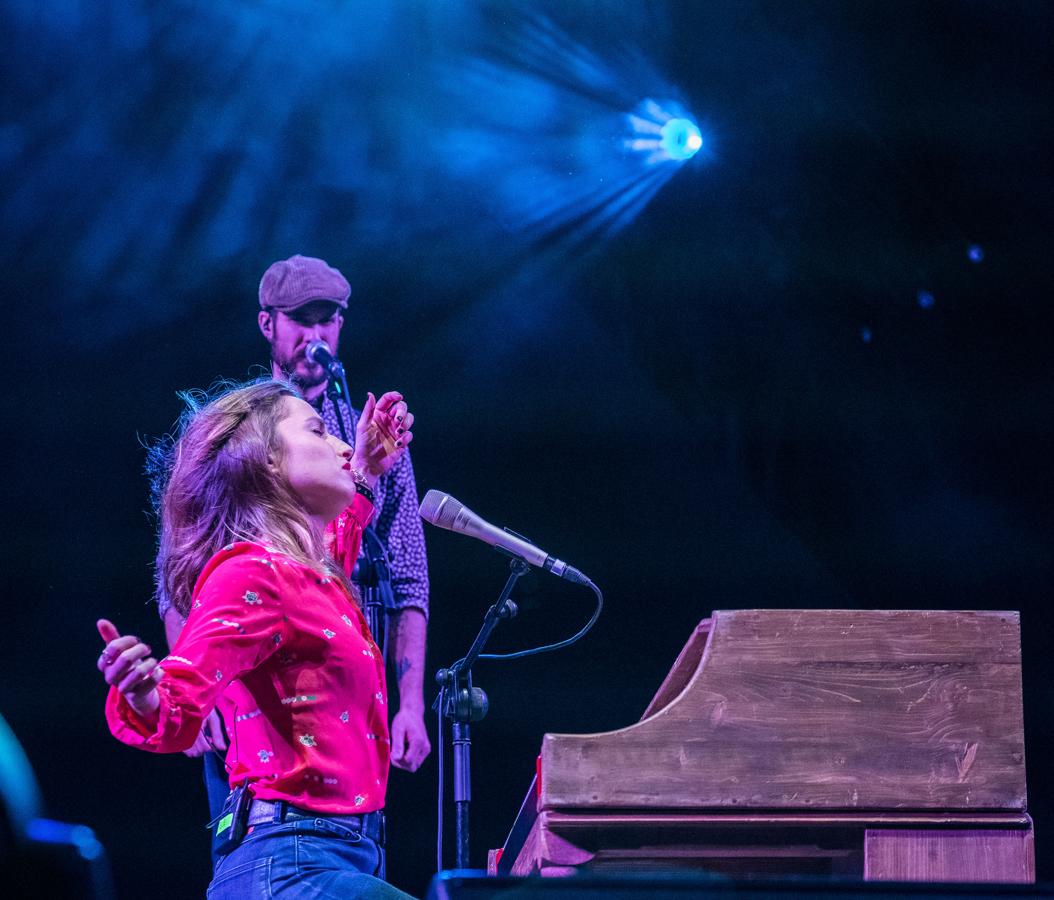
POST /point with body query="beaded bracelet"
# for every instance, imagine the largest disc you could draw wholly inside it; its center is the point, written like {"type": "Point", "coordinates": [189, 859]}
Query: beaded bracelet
{"type": "Point", "coordinates": [360, 487]}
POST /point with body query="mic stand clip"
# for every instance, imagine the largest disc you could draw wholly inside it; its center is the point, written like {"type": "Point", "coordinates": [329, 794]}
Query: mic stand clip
{"type": "Point", "coordinates": [463, 704]}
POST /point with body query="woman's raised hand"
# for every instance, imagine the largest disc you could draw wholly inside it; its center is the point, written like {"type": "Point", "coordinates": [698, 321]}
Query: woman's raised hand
{"type": "Point", "coordinates": [382, 434]}
{"type": "Point", "coordinates": [127, 664]}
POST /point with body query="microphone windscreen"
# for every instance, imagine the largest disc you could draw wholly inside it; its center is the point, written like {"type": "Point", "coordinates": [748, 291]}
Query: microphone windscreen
{"type": "Point", "coordinates": [319, 352]}
{"type": "Point", "coordinates": [440, 509]}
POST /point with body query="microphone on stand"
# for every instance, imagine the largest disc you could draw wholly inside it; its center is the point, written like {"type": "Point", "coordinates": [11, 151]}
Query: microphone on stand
{"type": "Point", "coordinates": [319, 352]}
{"type": "Point", "coordinates": [337, 389]}
{"type": "Point", "coordinates": [444, 511]}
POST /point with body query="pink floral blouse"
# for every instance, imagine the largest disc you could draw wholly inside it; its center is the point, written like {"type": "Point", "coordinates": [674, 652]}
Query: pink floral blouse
{"type": "Point", "coordinates": [301, 679]}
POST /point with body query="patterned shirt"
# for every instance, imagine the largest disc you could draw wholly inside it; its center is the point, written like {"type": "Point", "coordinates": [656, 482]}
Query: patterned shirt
{"type": "Point", "coordinates": [397, 523]}
{"type": "Point", "coordinates": [302, 680]}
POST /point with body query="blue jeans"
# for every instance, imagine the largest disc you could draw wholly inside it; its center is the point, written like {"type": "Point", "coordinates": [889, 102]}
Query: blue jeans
{"type": "Point", "coordinates": [303, 857]}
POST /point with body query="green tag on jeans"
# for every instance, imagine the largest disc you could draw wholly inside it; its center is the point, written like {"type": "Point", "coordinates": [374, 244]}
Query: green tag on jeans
{"type": "Point", "coordinates": [224, 823]}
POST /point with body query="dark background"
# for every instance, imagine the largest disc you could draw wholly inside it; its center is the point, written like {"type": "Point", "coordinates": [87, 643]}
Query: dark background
{"type": "Point", "coordinates": [734, 396]}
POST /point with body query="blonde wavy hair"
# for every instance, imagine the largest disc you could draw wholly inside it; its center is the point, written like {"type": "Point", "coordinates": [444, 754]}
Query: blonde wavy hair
{"type": "Point", "coordinates": [214, 484]}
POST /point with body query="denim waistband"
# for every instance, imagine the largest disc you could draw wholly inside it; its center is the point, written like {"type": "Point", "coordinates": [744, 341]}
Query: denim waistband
{"type": "Point", "coordinates": [274, 811]}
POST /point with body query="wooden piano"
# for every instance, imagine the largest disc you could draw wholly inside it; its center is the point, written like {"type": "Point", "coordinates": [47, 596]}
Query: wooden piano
{"type": "Point", "coordinates": [883, 745]}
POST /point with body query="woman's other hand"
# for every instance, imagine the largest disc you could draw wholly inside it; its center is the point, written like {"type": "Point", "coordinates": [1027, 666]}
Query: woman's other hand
{"type": "Point", "coordinates": [382, 434]}
{"type": "Point", "coordinates": [126, 663]}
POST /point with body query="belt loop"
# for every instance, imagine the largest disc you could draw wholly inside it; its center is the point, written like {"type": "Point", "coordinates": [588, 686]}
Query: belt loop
{"type": "Point", "coordinates": [279, 811]}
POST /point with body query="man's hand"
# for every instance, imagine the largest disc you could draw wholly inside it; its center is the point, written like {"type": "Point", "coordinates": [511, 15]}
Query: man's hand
{"type": "Point", "coordinates": [126, 663]}
{"type": "Point", "coordinates": [410, 744]}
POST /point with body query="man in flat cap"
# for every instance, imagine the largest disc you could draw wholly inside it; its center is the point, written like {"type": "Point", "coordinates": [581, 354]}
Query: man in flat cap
{"type": "Point", "coordinates": [302, 300]}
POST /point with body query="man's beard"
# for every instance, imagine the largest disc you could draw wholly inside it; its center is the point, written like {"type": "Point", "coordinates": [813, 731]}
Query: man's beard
{"type": "Point", "coordinates": [302, 382]}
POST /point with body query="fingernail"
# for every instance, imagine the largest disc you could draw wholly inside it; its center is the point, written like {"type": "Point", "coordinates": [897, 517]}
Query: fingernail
{"type": "Point", "coordinates": [400, 430]}
{"type": "Point", "coordinates": [398, 443]}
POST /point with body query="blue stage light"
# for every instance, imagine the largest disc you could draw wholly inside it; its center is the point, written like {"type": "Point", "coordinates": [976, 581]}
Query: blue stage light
{"type": "Point", "coordinates": [925, 299]}
{"type": "Point", "coordinates": [975, 253]}
{"type": "Point", "coordinates": [663, 132]}
{"type": "Point", "coordinates": [681, 138]}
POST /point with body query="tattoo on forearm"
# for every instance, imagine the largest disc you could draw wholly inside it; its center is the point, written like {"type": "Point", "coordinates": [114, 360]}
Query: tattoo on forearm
{"type": "Point", "coordinates": [402, 667]}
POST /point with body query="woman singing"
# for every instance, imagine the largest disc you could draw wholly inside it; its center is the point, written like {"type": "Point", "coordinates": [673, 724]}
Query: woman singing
{"type": "Point", "coordinates": [258, 502]}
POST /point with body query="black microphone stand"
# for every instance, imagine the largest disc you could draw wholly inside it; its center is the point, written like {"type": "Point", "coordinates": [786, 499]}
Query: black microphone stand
{"type": "Point", "coordinates": [337, 390]}
{"type": "Point", "coordinates": [375, 579]}
{"type": "Point", "coordinates": [371, 571]}
{"type": "Point", "coordinates": [463, 704]}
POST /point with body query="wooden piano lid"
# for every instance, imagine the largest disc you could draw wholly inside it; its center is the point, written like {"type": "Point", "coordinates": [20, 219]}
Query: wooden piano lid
{"type": "Point", "coordinates": [816, 710]}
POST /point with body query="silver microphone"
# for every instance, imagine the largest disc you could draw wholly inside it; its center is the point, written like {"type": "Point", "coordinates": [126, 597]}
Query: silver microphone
{"type": "Point", "coordinates": [444, 511]}
{"type": "Point", "coordinates": [319, 352]}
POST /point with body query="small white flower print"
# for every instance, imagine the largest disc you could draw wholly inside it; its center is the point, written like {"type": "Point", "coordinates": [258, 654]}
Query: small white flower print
{"type": "Point", "coordinates": [308, 740]}
{"type": "Point", "coordinates": [328, 633]}
{"type": "Point", "coordinates": [252, 598]}
{"type": "Point", "coordinates": [265, 756]}
{"type": "Point", "coordinates": [344, 717]}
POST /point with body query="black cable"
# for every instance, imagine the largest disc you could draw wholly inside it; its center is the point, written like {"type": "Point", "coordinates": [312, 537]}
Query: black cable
{"type": "Point", "coordinates": [547, 648]}
{"type": "Point", "coordinates": [440, 706]}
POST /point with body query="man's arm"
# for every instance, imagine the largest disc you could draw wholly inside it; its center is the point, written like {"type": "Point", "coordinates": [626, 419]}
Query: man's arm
{"type": "Point", "coordinates": [410, 744]}
{"type": "Point", "coordinates": [399, 526]}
